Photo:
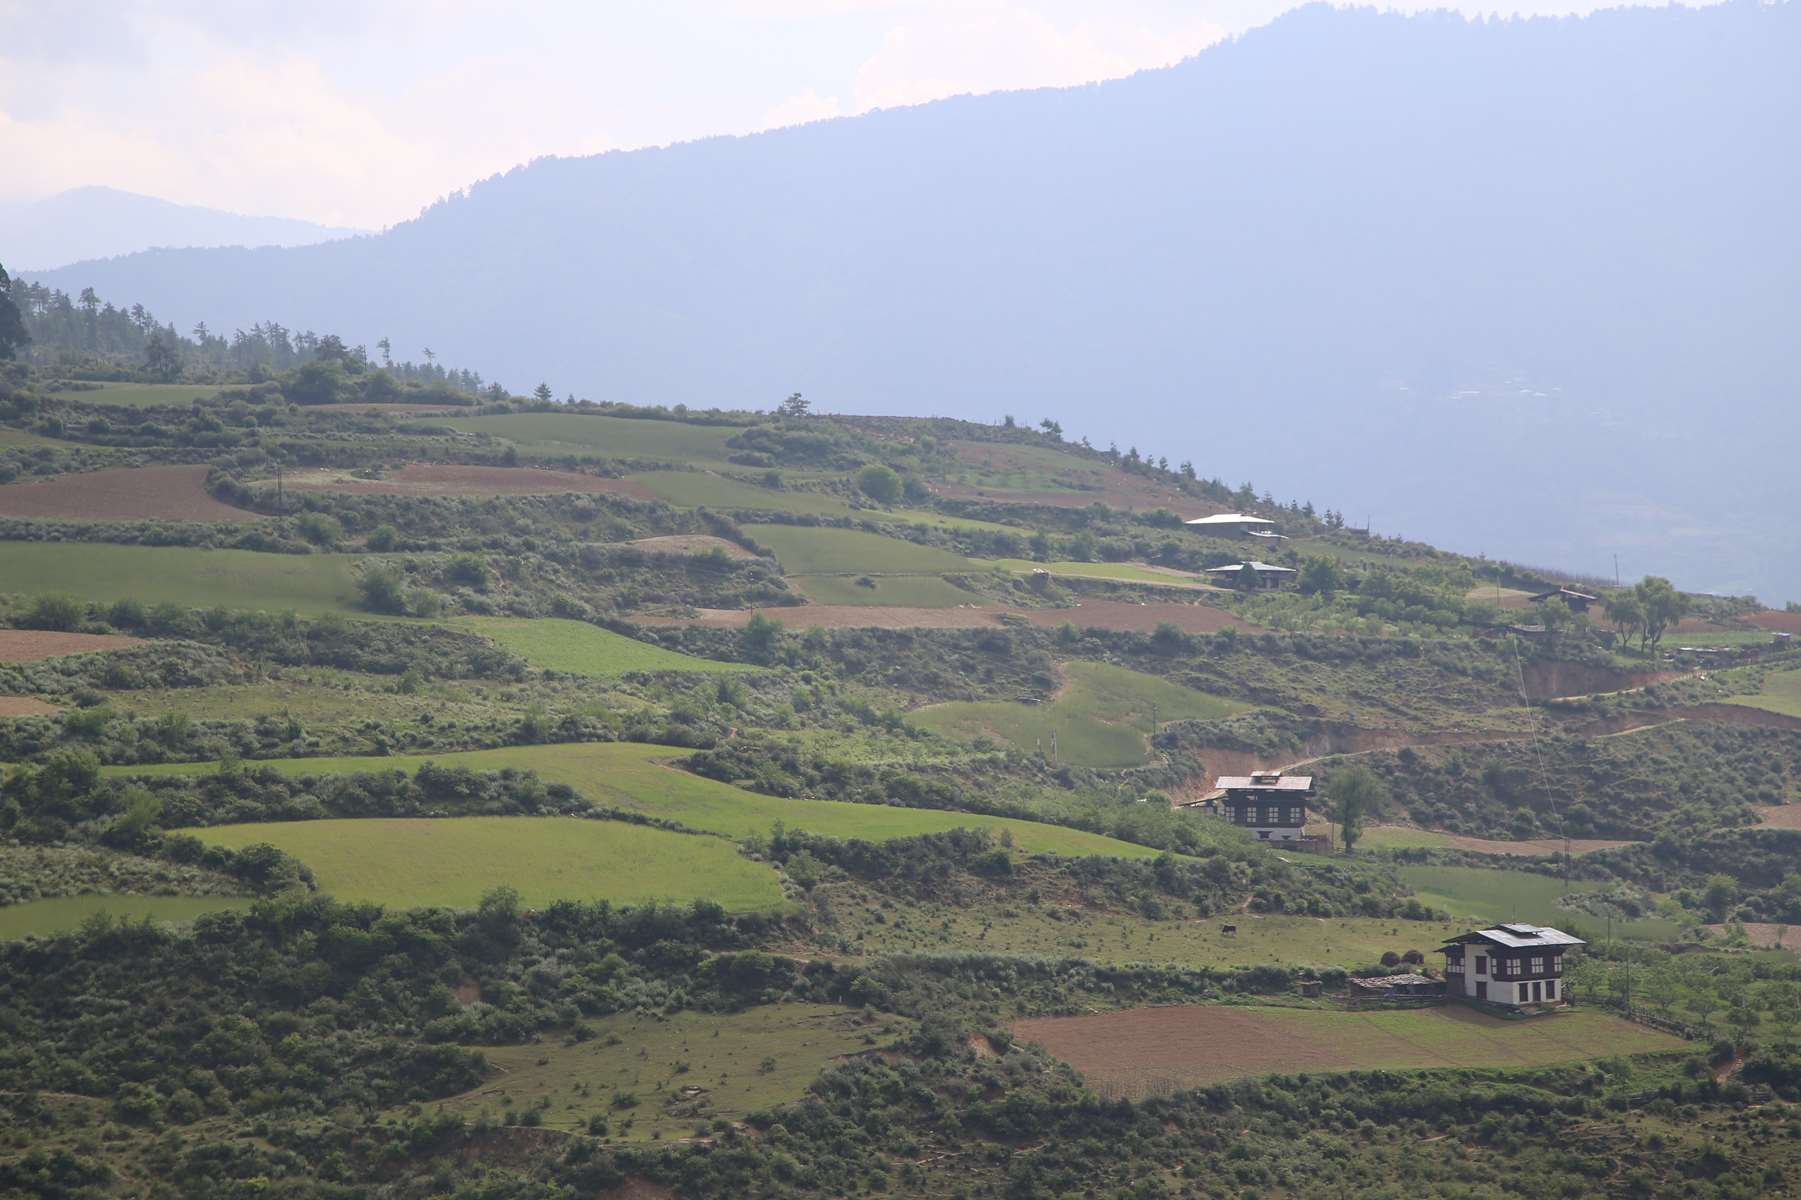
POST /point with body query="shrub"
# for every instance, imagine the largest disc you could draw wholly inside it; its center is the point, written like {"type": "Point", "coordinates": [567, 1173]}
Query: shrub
{"type": "Point", "coordinates": [55, 612]}
{"type": "Point", "coordinates": [320, 529]}
{"type": "Point", "coordinates": [383, 588]}
{"type": "Point", "coordinates": [879, 483]}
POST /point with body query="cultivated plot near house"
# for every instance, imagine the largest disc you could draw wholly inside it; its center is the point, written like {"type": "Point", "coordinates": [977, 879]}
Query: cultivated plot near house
{"type": "Point", "coordinates": [1147, 1051]}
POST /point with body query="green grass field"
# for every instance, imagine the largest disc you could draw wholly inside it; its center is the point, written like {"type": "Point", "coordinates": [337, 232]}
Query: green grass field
{"type": "Point", "coordinates": [579, 648]}
{"type": "Point", "coordinates": [818, 551]}
{"type": "Point", "coordinates": [1714, 639]}
{"type": "Point", "coordinates": [739, 1062]}
{"type": "Point", "coordinates": [1102, 718]}
{"type": "Point", "coordinates": [44, 917]}
{"type": "Point", "coordinates": [17, 438]}
{"type": "Point", "coordinates": [1125, 572]}
{"type": "Point", "coordinates": [1495, 896]}
{"type": "Point", "coordinates": [694, 489]}
{"type": "Point", "coordinates": [899, 591]}
{"type": "Point", "coordinates": [304, 583]}
{"type": "Point", "coordinates": [455, 860]}
{"type": "Point", "coordinates": [1781, 693]}
{"type": "Point", "coordinates": [629, 776]}
{"type": "Point", "coordinates": [1058, 930]}
{"type": "Point", "coordinates": [143, 395]}
{"type": "Point", "coordinates": [587, 436]}
{"type": "Point", "coordinates": [1142, 1052]}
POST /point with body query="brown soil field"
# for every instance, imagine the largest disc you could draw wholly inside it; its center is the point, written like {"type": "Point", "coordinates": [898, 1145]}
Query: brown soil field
{"type": "Point", "coordinates": [175, 493]}
{"type": "Point", "coordinates": [455, 479]}
{"type": "Point", "coordinates": [1781, 816]}
{"type": "Point", "coordinates": [33, 645]}
{"type": "Point", "coordinates": [25, 706]}
{"type": "Point", "coordinates": [1147, 1050]}
{"type": "Point", "coordinates": [690, 543]}
{"type": "Point", "coordinates": [1762, 934]}
{"type": "Point", "coordinates": [1100, 614]}
{"type": "Point", "coordinates": [1777, 622]}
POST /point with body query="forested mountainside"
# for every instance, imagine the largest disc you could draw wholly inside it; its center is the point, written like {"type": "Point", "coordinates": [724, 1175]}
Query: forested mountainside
{"type": "Point", "coordinates": [100, 222]}
{"type": "Point", "coordinates": [409, 788]}
{"type": "Point", "coordinates": [1527, 285]}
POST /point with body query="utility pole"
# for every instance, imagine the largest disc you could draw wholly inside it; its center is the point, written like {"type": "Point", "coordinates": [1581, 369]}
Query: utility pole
{"type": "Point", "coordinates": [1616, 572]}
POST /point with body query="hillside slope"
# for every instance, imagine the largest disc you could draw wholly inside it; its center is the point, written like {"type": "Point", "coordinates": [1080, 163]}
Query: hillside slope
{"type": "Point", "coordinates": [1565, 242]}
{"type": "Point", "coordinates": [99, 222]}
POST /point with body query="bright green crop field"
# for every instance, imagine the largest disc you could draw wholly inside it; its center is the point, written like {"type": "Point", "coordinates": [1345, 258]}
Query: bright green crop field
{"type": "Point", "coordinates": [1781, 693]}
{"type": "Point", "coordinates": [454, 861]}
{"type": "Point", "coordinates": [578, 648]}
{"type": "Point", "coordinates": [1496, 896]}
{"type": "Point", "coordinates": [304, 583]}
{"type": "Point", "coordinates": [821, 551]}
{"type": "Point", "coordinates": [693, 489]}
{"type": "Point", "coordinates": [898, 591]}
{"type": "Point", "coordinates": [59, 915]}
{"type": "Point", "coordinates": [629, 775]}
{"type": "Point", "coordinates": [143, 395]}
{"type": "Point", "coordinates": [1101, 719]}
{"type": "Point", "coordinates": [581, 435]}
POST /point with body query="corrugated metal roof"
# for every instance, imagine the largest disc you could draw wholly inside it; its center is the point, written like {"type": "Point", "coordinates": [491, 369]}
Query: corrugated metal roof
{"type": "Point", "coordinates": [1519, 936]}
{"type": "Point", "coordinates": [1227, 519]}
{"type": "Point", "coordinates": [1263, 783]}
{"type": "Point", "coordinates": [1253, 565]}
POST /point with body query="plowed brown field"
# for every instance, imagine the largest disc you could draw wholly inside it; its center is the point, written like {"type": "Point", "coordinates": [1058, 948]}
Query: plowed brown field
{"type": "Point", "coordinates": [1781, 816]}
{"type": "Point", "coordinates": [1148, 1050]}
{"type": "Point", "coordinates": [175, 493]}
{"type": "Point", "coordinates": [25, 706]}
{"type": "Point", "coordinates": [1778, 622]}
{"type": "Point", "coordinates": [456, 479]}
{"type": "Point", "coordinates": [1098, 614]}
{"type": "Point", "coordinates": [33, 645]}
{"type": "Point", "coordinates": [690, 543]}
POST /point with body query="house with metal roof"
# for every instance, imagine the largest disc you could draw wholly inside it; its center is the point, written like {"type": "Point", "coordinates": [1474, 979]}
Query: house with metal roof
{"type": "Point", "coordinates": [1270, 804]}
{"type": "Point", "coordinates": [1253, 574]}
{"type": "Point", "coordinates": [1232, 524]}
{"type": "Point", "coordinates": [1516, 965]}
{"type": "Point", "coordinates": [1577, 601]}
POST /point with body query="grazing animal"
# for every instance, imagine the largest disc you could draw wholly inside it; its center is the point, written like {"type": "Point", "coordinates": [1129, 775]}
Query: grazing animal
{"type": "Point", "coordinates": [1228, 929]}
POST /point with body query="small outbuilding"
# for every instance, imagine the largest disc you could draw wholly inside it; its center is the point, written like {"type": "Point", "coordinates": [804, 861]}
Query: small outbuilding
{"type": "Point", "coordinates": [1518, 965]}
{"type": "Point", "coordinates": [1410, 986]}
{"type": "Point", "coordinates": [1252, 574]}
{"type": "Point", "coordinates": [1578, 602]}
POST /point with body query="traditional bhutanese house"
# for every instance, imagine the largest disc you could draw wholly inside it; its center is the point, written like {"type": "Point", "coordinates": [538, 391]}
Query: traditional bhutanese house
{"type": "Point", "coordinates": [1229, 524]}
{"type": "Point", "coordinates": [1577, 601]}
{"type": "Point", "coordinates": [1272, 804]}
{"type": "Point", "coordinates": [1252, 574]}
{"type": "Point", "coordinates": [1518, 965]}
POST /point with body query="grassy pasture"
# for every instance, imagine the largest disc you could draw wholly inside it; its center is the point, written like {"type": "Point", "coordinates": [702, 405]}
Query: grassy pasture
{"type": "Point", "coordinates": [895, 591]}
{"type": "Point", "coordinates": [60, 915]}
{"type": "Point", "coordinates": [629, 776]}
{"type": "Point", "coordinates": [317, 696]}
{"type": "Point", "coordinates": [1147, 1051]}
{"type": "Point", "coordinates": [811, 551]}
{"type": "Point", "coordinates": [1125, 572]}
{"type": "Point", "coordinates": [741, 1062]}
{"type": "Point", "coordinates": [694, 489]}
{"type": "Point", "coordinates": [304, 583]}
{"type": "Point", "coordinates": [1781, 693]}
{"type": "Point", "coordinates": [144, 395]}
{"type": "Point", "coordinates": [1059, 931]}
{"type": "Point", "coordinates": [579, 648]}
{"type": "Point", "coordinates": [453, 861]}
{"type": "Point", "coordinates": [588, 436]}
{"type": "Point", "coordinates": [1101, 719]}
{"type": "Point", "coordinates": [1495, 896]}
{"type": "Point", "coordinates": [19, 438]}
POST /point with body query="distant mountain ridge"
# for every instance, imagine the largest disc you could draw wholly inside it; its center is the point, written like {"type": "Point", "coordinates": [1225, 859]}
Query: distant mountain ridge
{"type": "Point", "coordinates": [100, 222]}
{"type": "Point", "coordinates": [1520, 287]}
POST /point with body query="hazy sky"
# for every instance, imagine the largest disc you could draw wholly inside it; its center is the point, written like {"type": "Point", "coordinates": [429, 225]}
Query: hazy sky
{"type": "Point", "coordinates": [362, 113]}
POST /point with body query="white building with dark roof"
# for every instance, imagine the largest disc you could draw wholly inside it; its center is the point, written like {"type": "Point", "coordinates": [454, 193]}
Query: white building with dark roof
{"type": "Point", "coordinates": [1253, 574]}
{"type": "Point", "coordinates": [1517, 965]}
